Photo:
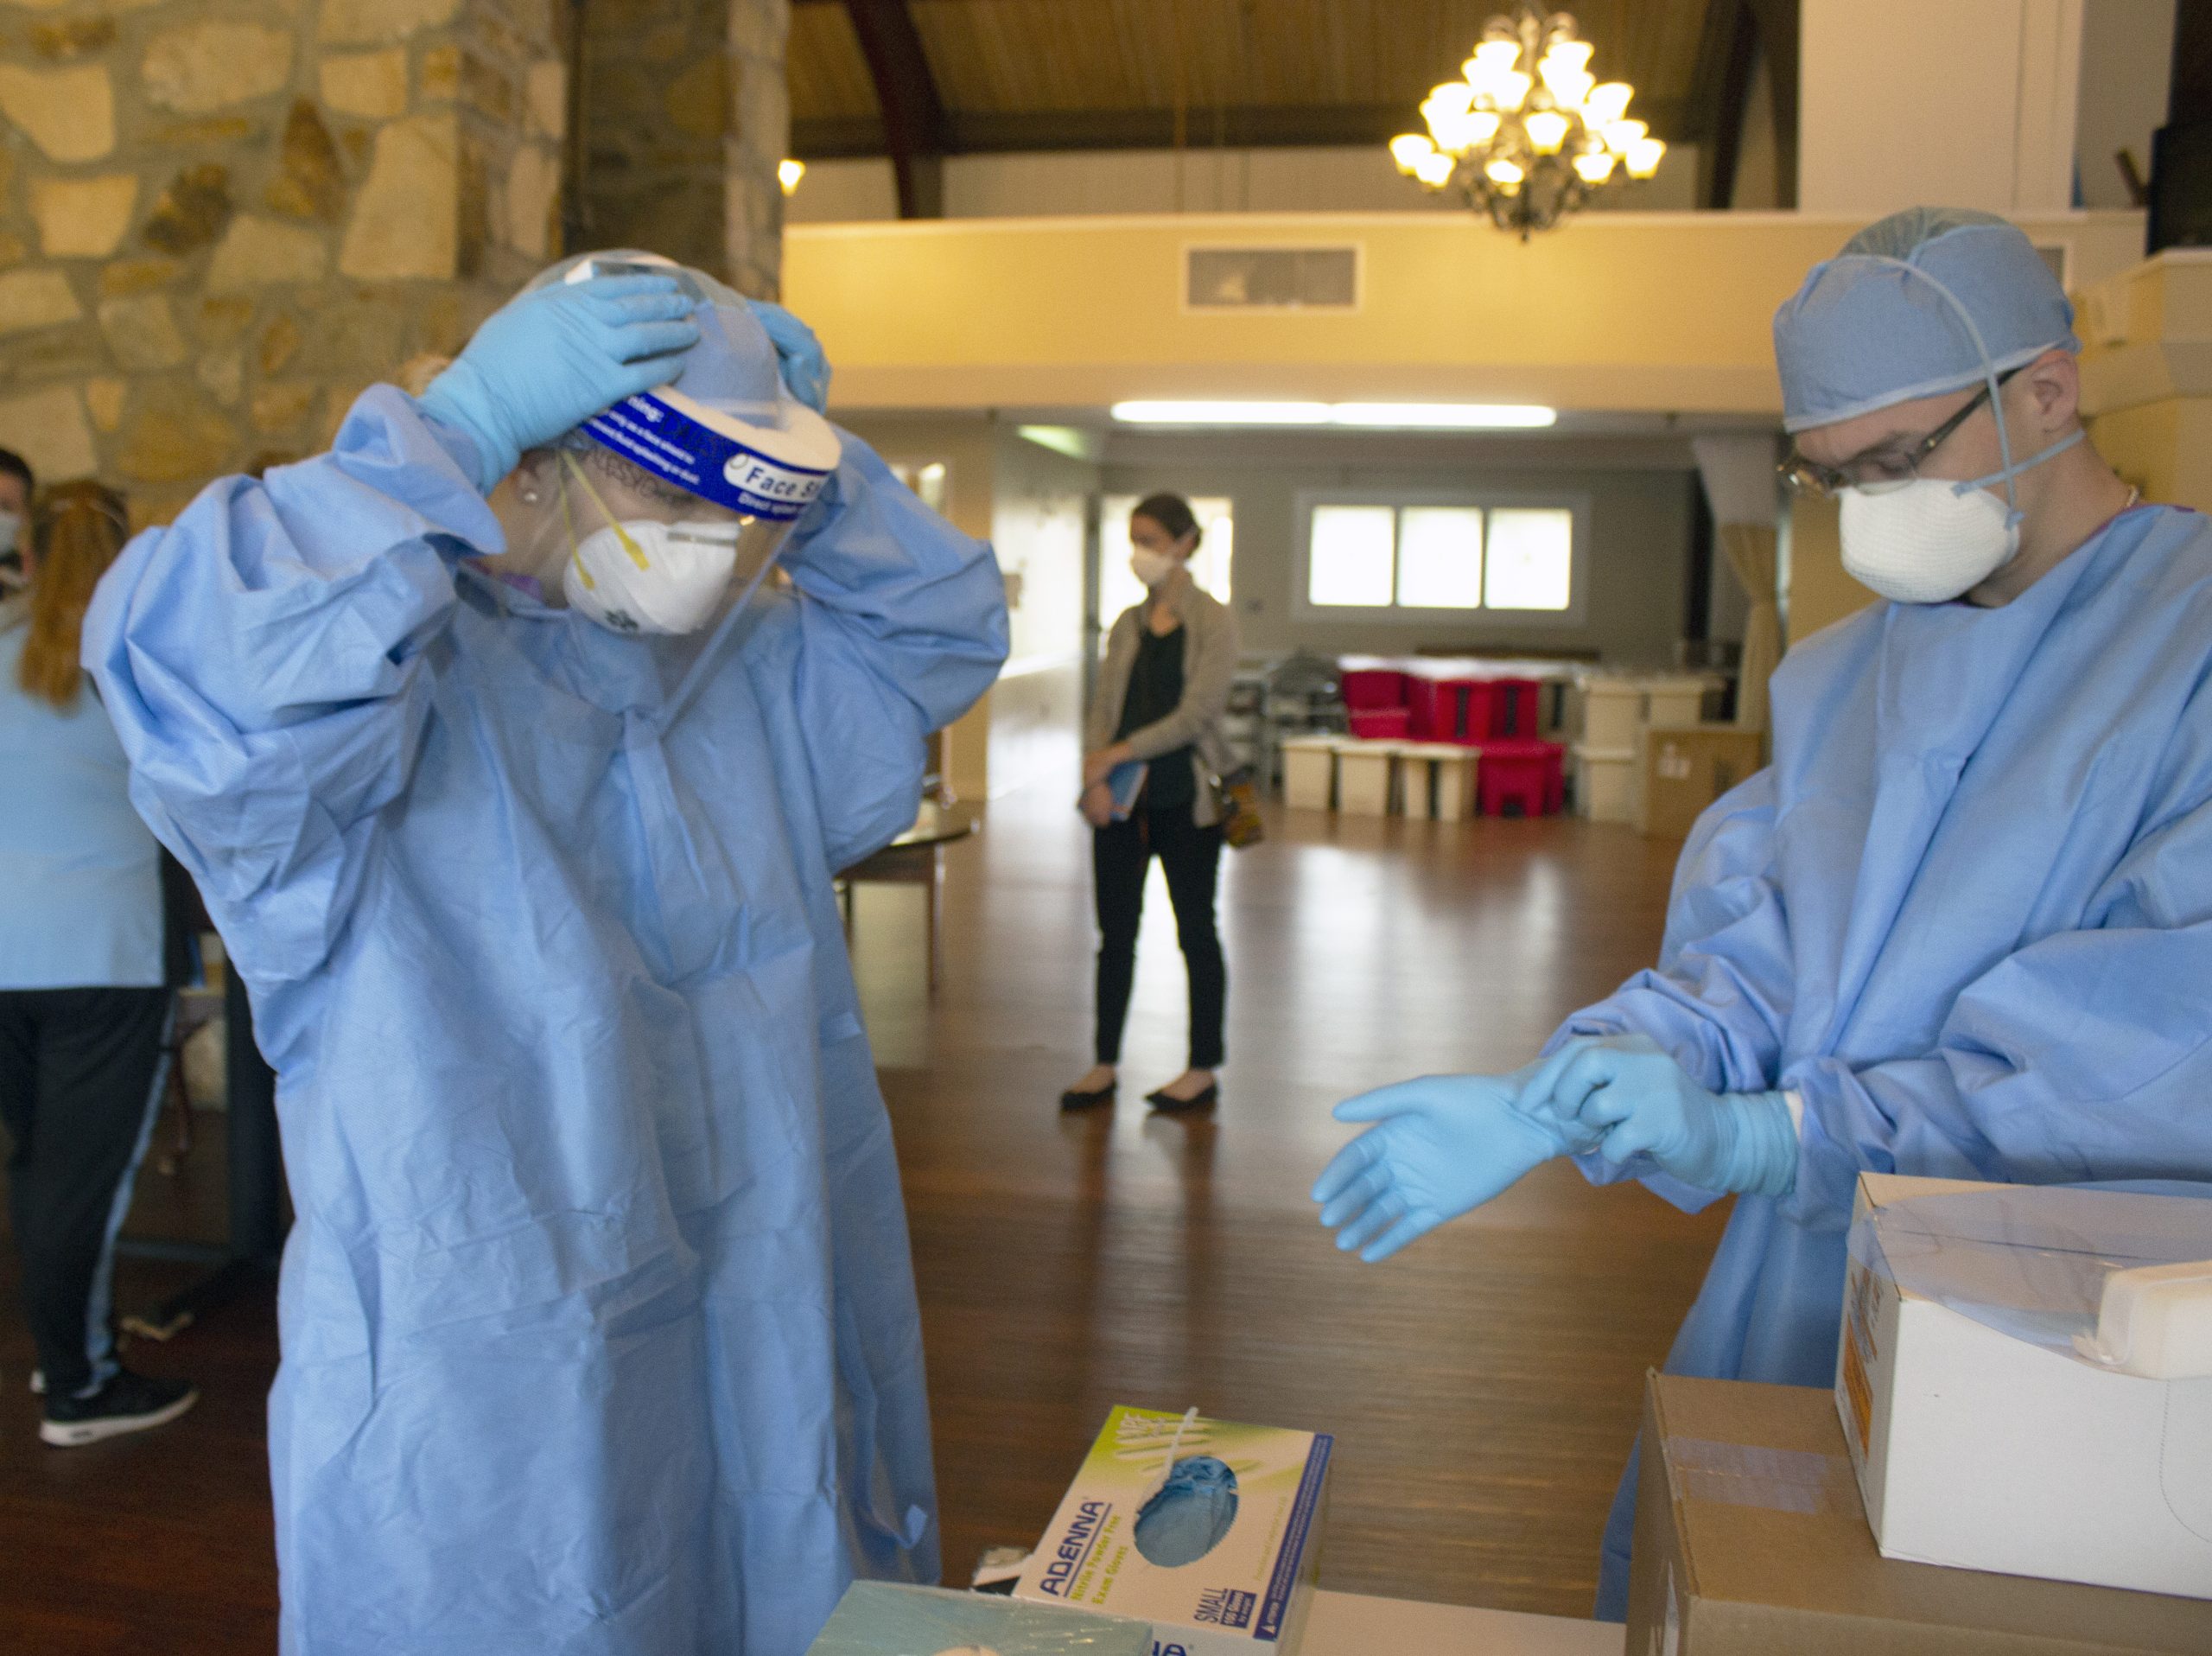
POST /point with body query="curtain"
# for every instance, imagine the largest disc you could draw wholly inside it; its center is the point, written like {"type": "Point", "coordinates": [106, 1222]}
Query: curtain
{"type": "Point", "coordinates": [1739, 484]}
{"type": "Point", "coordinates": [1751, 548]}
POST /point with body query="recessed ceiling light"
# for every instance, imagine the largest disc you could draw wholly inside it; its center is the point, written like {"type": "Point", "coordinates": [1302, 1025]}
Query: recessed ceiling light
{"type": "Point", "coordinates": [1444, 417]}
{"type": "Point", "coordinates": [1404, 417]}
{"type": "Point", "coordinates": [1219, 413]}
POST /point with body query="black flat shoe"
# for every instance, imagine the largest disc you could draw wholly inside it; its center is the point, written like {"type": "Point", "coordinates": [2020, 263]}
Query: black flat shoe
{"type": "Point", "coordinates": [1168, 1104]}
{"type": "Point", "coordinates": [1072, 1100]}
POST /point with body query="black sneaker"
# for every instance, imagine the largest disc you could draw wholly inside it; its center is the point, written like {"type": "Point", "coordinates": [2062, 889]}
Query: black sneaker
{"type": "Point", "coordinates": [128, 1402]}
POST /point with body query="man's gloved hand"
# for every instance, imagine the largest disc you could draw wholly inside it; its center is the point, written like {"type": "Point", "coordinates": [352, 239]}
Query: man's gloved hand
{"type": "Point", "coordinates": [1636, 1099]}
{"type": "Point", "coordinates": [1440, 1145]}
{"type": "Point", "coordinates": [798, 353]}
{"type": "Point", "coordinates": [553, 357]}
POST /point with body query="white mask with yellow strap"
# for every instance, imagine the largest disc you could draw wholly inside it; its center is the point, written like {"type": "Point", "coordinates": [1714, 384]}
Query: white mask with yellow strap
{"type": "Point", "coordinates": [645, 576]}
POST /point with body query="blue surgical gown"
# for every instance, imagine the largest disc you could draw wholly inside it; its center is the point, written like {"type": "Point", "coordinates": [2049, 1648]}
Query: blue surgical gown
{"type": "Point", "coordinates": [1966, 915]}
{"type": "Point", "coordinates": [599, 1327]}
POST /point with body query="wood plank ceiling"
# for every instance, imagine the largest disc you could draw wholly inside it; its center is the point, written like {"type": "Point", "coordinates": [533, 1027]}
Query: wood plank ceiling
{"type": "Point", "coordinates": [918, 79]}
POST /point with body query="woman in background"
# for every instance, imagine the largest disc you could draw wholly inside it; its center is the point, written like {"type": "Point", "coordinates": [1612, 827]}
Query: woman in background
{"type": "Point", "coordinates": [84, 1001]}
{"type": "Point", "coordinates": [1162, 690]}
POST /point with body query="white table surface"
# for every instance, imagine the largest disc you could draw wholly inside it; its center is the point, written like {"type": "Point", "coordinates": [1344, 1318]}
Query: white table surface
{"type": "Point", "coordinates": [1351, 1624]}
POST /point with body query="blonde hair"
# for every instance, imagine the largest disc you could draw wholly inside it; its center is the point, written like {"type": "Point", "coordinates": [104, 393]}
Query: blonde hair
{"type": "Point", "coordinates": [81, 528]}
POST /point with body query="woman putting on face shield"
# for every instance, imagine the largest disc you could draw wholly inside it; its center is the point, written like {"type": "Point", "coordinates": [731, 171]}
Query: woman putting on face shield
{"type": "Point", "coordinates": [518, 791]}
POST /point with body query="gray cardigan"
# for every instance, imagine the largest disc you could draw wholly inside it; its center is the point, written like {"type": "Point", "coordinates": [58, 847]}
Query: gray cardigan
{"type": "Point", "coordinates": [1208, 666]}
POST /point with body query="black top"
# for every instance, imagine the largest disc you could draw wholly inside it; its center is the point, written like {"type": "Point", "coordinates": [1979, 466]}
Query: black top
{"type": "Point", "coordinates": [1155, 690]}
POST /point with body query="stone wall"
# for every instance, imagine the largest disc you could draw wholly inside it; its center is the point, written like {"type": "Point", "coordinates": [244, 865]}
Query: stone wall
{"type": "Point", "coordinates": [685, 118]}
{"type": "Point", "coordinates": [219, 221]}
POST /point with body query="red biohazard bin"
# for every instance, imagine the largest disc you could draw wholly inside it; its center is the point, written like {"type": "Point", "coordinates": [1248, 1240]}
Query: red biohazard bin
{"type": "Point", "coordinates": [1366, 688]}
{"type": "Point", "coordinates": [1526, 776]}
{"type": "Point", "coordinates": [1450, 710]}
{"type": "Point", "coordinates": [1378, 724]}
{"type": "Point", "coordinates": [1516, 707]}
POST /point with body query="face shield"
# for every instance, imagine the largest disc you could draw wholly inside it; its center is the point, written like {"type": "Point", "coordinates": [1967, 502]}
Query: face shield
{"type": "Point", "coordinates": [725, 431]}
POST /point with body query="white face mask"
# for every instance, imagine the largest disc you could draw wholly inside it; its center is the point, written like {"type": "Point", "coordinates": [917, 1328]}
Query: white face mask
{"type": "Point", "coordinates": [1929, 541]}
{"type": "Point", "coordinates": [1150, 567]}
{"type": "Point", "coordinates": [645, 576]}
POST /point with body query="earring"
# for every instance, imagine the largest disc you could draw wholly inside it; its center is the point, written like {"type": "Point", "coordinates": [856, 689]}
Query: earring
{"type": "Point", "coordinates": [529, 497]}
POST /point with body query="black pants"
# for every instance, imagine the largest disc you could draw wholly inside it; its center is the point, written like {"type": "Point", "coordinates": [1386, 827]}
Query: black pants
{"type": "Point", "coordinates": [1190, 857]}
{"type": "Point", "coordinates": [77, 1074]}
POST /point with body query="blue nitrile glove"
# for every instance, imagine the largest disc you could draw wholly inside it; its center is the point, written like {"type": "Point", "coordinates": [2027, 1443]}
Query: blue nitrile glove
{"type": "Point", "coordinates": [1628, 1091]}
{"type": "Point", "coordinates": [798, 353]}
{"type": "Point", "coordinates": [1440, 1145]}
{"type": "Point", "coordinates": [551, 359]}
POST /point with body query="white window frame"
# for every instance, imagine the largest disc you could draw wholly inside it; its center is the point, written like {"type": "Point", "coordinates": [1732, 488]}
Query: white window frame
{"type": "Point", "coordinates": [1575, 614]}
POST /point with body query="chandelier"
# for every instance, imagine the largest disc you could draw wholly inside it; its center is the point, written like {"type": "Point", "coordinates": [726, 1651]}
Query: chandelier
{"type": "Point", "coordinates": [1528, 134]}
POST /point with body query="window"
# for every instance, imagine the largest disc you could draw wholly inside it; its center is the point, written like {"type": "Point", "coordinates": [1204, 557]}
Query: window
{"type": "Point", "coordinates": [1458, 555]}
{"type": "Point", "coordinates": [1531, 558]}
{"type": "Point", "coordinates": [1351, 556]}
{"type": "Point", "coordinates": [1441, 557]}
{"type": "Point", "coordinates": [1118, 587]}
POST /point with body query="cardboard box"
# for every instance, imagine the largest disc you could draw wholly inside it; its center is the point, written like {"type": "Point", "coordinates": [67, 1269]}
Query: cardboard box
{"type": "Point", "coordinates": [1981, 1447]}
{"type": "Point", "coordinates": [1249, 1591]}
{"type": "Point", "coordinates": [1687, 767]}
{"type": "Point", "coordinates": [1751, 1540]}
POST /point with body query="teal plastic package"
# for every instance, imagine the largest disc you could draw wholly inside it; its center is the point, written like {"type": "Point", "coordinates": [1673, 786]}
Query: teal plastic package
{"type": "Point", "coordinates": [880, 1619]}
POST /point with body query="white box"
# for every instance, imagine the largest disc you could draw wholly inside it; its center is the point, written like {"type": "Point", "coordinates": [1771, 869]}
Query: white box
{"type": "Point", "coordinates": [1437, 779]}
{"type": "Point", "coordinates": [1673, 700]}
{"type": "Point", "coordinates": [1309, 773]}
{"type": "Point", "coordinates": [1364, 771]}
{"type": "Point", "coordinates": [1605, 712]}
{"type": "Point", "coordinates": [1982, 1448]}
{"type": "Point", "coordinates": [1249, 1591]}
{"type": "Point", "coordinates": [1606, 782]}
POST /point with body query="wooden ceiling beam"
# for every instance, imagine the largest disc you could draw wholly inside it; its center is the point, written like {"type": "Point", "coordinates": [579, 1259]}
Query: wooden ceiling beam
{"type": "Point", "coordinates": [1736, 33]}
{"type": "Point", "coordinates": [914, 129]}
{"type": "Point", "coordinates": [1779, 24]}
{"type": "Point", "coordinates": [1256, 127]}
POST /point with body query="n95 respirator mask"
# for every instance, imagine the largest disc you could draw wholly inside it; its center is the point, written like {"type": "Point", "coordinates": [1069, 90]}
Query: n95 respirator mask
{"type": "Point", "coordinates": [1930, 540]}
{"type": "Point", "coordinates": [642, 576]}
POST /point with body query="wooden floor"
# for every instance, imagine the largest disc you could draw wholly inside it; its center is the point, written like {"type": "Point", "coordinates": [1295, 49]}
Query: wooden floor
{"type": "Point", "coordinates": [1483, 1386]}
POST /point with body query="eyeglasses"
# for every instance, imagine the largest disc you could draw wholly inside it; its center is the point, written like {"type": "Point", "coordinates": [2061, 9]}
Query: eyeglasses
{"type": "Point", "coordinates": [1884, 469]}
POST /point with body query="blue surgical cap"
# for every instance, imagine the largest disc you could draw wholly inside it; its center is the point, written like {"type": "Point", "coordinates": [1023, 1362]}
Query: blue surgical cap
{"type": "Point", "coordinates": [1874, 327]}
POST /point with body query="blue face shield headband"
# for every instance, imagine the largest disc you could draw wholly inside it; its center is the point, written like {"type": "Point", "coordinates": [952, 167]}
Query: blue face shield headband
{"type": "Point", "coordinates": [767, 461]}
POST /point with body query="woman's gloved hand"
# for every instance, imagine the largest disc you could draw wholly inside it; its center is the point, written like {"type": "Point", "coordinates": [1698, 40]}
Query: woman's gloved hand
{"type": "Point", "coordinates": [798, 353]}
{"type": "Point", "coordinates": [1440, 1145]}
{"type": "Point", "coordinates": [554, 357]}
{"type": "Point", "coordinates": [1629, 1092]}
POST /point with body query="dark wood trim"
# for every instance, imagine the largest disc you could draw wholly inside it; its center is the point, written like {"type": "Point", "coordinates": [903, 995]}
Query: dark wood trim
{"type": "Point", "coordinates": [1717, 165]}
{"type": "Point", "coordinates": [914, 127]}
{"type": "Point", "coordinates": [1780, 35]}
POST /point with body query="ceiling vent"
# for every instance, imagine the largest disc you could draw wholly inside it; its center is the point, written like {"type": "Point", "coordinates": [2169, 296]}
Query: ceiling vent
{"type": "Point", "coordinates": [1271, 278]}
